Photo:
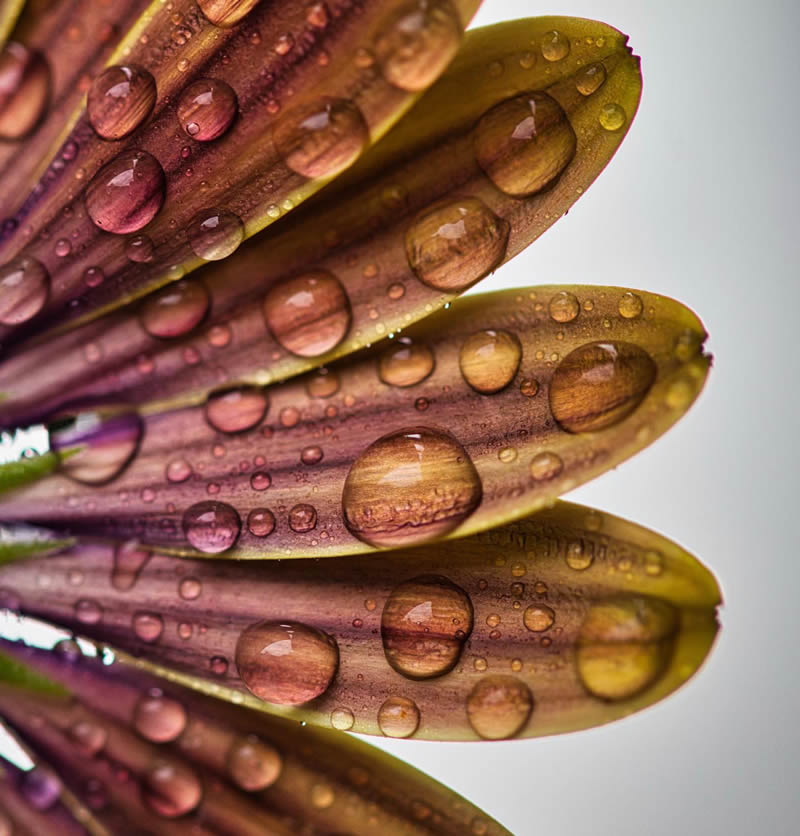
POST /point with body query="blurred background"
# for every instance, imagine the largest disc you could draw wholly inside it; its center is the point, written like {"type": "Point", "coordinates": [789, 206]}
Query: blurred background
{"type": "Point", "coordinates": [700, 204]}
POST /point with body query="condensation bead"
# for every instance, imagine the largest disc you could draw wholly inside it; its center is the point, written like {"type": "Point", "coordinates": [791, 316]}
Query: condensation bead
{"type": "Point", "coordinates": [159, 718]}
{"type": "Point", "coordinates": [545, 466]}
{"type": "Point", "coordinates": [24, 288]}
{"type": "Point", "coordinates": [405, 363]}
{"type": "Point", "coordinates": [236, 410]}
{"type": "Point", "coordinates": [226, 13]}
{"type": "Point", "coordinates": [408, 487]}
{"type": "Point", "coordinates": [555, 46]}
{"type": "Point", "coordinates": [630, 305]}
{"type": "Point", "coordinates": [451, 245]}
{"type": "Point", "coordinates": [129, 560]}
{"type": "Point", "coordinates": [261, 522]}
{"type": "Point", "coordinates": [525, 143]}
{"type": "Point", "coordinates": [215, 234]}
{"type": "Point", "coordinates": [590, 79]}
{"type": "Point", "coordinates": [211, 527]}
{"type": "Point", "coordinates": [538, 618]}
{"type": "Point", "coordinates": [564, 307]}
{"type": "Point", "coordinates": [613, 117]}
{"type": "Point", "coordinates": [171, 789]}
{"type": "Point", "coordinates": [206, 109]}
{"type": "Point", "coordinates": [489, 360]}
{"type": "Point", "coordinates": [324, 383]}
{"type": "Point", "coordinates": [398, 717]}
{"type": "Point", "coordinates": [498, 707]}
{"type": "Point", "coordinates": [253, 764]}
{"type": "Point", "coordinates": [175, 310]}
{"type": "Point", "coordinates": [148, 626]}
{"type": "Point", "coordinates": [25, 82]}
{"type": "Point", "coordinates": [119, 100]}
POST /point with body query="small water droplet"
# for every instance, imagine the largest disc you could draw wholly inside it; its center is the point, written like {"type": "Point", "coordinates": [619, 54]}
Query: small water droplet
{"type": "Point", "coordinates": [489, 360]}
{"type": "Point", "coordinates": [253, 764]}
{"type": "Point", "coordinates": [323, 383]}
{"type": "Point", "coordinates": [578, 557]}
{"type": "Point", "coordinates": [119, 100]}
{"type": "Point", "coordinates": [653, 563]}
{"type": "Point", "coordinates": [498, 707]}
{"type": "Point", "coordinates": [226, 13]}
{"type": "Point", "coordinates": [139, 249]}
{"type": "Point", "coordinates": [236, 410]}
{"type": "Point", "coordinates": [211, 527]}
{"type": "Point", "coordinates": [398, 717]}
{"type": "Point", "coordinates": [303, 518]}
{"type": "Point", "coordinates": [405, 363]}
{"type": "Point", "coordinates": [538, 618]}
{"type": "Point", "coordinates": [24, 288]}
{"type": "Point", "coordinates": [286, 663]}
{"type": "Point", "coordinates": [529, 387]}
{"type": "Point", "coordinates": [94, 276]}
{"type": "Point", "coordinates": [190, 588]}
{"type": "Point", "coordinates": [590, 79]}
{"type": "Point", "coordinates": [25, 85]}
{"type": "Point", "coordinates": [260, 481]}
{"type": "Point", "coordinates": [545, 466]}
{"type": "Point", "coordinates": [564, 307]}
{"type": "Point", "coordinates": [342, 719]}
{"type": "Point", "coordinates": [158, 718]}
{"type": "Point", "coordinates": [214, 234]}
{"type": "Point", "coordinates": [88, 611]}
{"type": "Point", "coordinates": [206, 109]}
{"type": "Point", "coordinates": [178, 470]}
{"type": "Point", "coordinates": [612, 117]}
{"type": "Point", "coordinates": [41, 788]}
{"type": "Point", "coordinates": [555, 46]}
{"type": "Point", "coordinates": [171, 789]}
{"type": "Point", "coordinates": [148, 626]}
{"type": "Point", "coordinates": [630, 305]}
{"type": "Point", "coordinates": [88, 737]}
{"type": "Point", "coordinates": [129, 560]}
{"type": "Point", "coordinates": [311, 455]}
{"type": "Point", "coordinates": [507, 455]}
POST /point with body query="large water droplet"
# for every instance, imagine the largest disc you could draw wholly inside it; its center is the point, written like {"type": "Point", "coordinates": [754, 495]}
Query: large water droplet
{"type": "Point", "coordinates": [408, 487]}
{"type": "Point", "coordinates": [525, 143]}
{"type": "Point", "coordinates": [630, 305]}
{"type": "Point", "coordinates": [398, 717]}
{"type": "Point", "coordinates": [286, 663]}
{"type": "Point", "coordinates": [214, 234]}
{"type": "Point", "coordinates": [253, 764]}
{"type": "Point", "coordinates": [452, 245]}
{"type": "Point", "coordinates": [159, 718]}
{"type": "Point", "coordinates": [625, 645]}
{"type": "Point", "coordinates": [206, 109]}
{"type": "Point", "coordinates": [126, 193]}
{"type": "Point", "coordinates": [417, 42]}
{"type": "Point", "coordinates": [24, 287]}
{"type": "Point", "coordinates": [613, 117]}
{"type": "Point", "coordinates": [119, 100]}
{"type": "Point", "coordinates": [94, 447]}
{"type": "Point", "coordinates": [171, 789]}
{"type": "Point", "coordinates": [489, 360]}
{"type": "Point", "coordinates": [236, 410]}
{"type": "Point", "coordinates": [405, 363]}
{"type": "Point", "coordinates": [424, 626]}
{"type": "Point", "coordinates": [498, 707]}
{"type": "Point", "coordinates": [309, 314]}
{"type": "Point", "coordinates": [597, 385]}
{"type": "Point", "coordinates": [321, 138]}
{"type": "Point", "coordinates": [211, 527]}
{"type": "Point", "coordinates": [24, 89]}
{"type": "Point", "coordinates": [129, 560]}
{"type": "Point", "coordinates": [225, 13]}
{"type": "Point", "coordinates": [175, 310]}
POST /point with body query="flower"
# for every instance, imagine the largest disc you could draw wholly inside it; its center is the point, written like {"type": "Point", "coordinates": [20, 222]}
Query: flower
{"type": "Point", "coordinates": [225, 374]}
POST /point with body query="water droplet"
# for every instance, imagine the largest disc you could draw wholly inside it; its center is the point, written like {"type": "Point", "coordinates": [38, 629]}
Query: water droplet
{"type": "Point", "coordinates": [309, 314]}
{"type": "Point", "coordinates": [129, 560]}
{"type": "Point", "coordinates": [171, 789]}
{"type": "Point", "coordinates": [185, 630]}
{"type": "Point", "coordinates": [318, 15]}
{"type": "Point", "coordinates": [408, 487]}
{"type": "Point", "coordinates": [218, 665]}
{"type": "Point", "coordinates": [625, 645]}
{"type": "Point", "coordinates": [498, 707]}
{"type": "Point", "coordinates": [148, 626]}
{"type": "Point", "coordinates": [214, 234]}
{"type": "Point", "coordinates": [158, 718]}
{"type": "Point", "coordinates": [398, 717]}
{"type": "Point", "coordinates": [612, 117]}
{"type": "Point", "coordinates": [405, 363]}
{"type": "Point", "coordinates": [529, 387]}
{"type": "Point", "coordinates": [119, 100]}
{"type": "Point", "coordinates": [178, 470]}
{"type": "Point", "coordinates": [578, 557]}
{"type": "Point", "coordinates": [452, 245]}
{"type": "Point", "coordinates": [564, 307]}
{"type": "Point", "coordinates": [24, 288]}
{"type": "Point", "coordinates": [590, 79]}
{"type": "Point", "coordinates": [653, 563]}
{"type": "Point", "coordinates": [25, 83]}
{"type": "Point", "coordinates": [95, 446]}
{"type": "Point", "coordinates": [555, 46]}
{"type": "Point", "coordinates": [88, 737]}
{"type": "Point", "coordinates": [545, 466]}
{"type": "Point", "coordinates": [94, 276]}
{"type": "Point", "coordinates": [312, 455]}
{"type": "Point", "coordinates": [139, 249]}
{"type": "Point", "coordinates": [226, 13]}
{"type": "Point", "coordinates": [236, 410]}
{"type": "Point", "coordinates": [302, 518]}
{"type": "Point", "coordinates": [321, 138]}
{"type": "Point", "coordinates": [287, 664]}
{"type": "Point", "coordinates": [417, 42]}
{"type": "Point", "coordinates": [525, 143]}
{"type": "Point", "coordinates": [538, 618]}
{"type": "Point", "coordinates": [507, 455]}
{"type": "Point", "coordinates": [323, 383]}
{"type": "Point", "coordinates": [396, 290]}
{"type": "Point", "coordinates": [424, 626]}
{"type": "Point", "coordinates": [126, 193]}
{"type": "Point", "coordinates": [69, 650]}
{"type": "Point", "coordinates": [630, 305]}
{"type": "Point", "coordinates": [62, 248]}
{"type": "Point", "coordinates": [190, 588]}
{"type": "Point", "coordinates": [342, 719]}
{"type": "Point", "coordinates": [253, 764]}
{"type": "Point", "coordinates": [41, 787]}
{"type": "Point", "coordinates": [599, 384]}
{"type": "Point", "coordinates": [489, 360]}
{"type": "Point", "coordinates": [260, 481]}
{"type": "Point", "coordinates": [206, 109]}
{"type": "Point", "coordinates": [211, 527]}
{"type": "Point", "coordinates": [492, 620]}
{"type": "Point", "coordinates": [88, 611]}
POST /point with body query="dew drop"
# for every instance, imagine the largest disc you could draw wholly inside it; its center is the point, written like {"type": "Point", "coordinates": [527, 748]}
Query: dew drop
{"type": "Point", "coordinates": [417, 42]}
{"type": "Point", "coordinates": [25, 83]}
{"type": "Point", "coordinates": [529, 387]}
{"type": "Point", "coordinates": [302, 518]}
{"type": "Point", "coordinates": [489, 360]}
{"type": "Point", "coordinates": [127, 193]}
{"type": "Point", "coordinates": [178, 470]}
{"type": "Point", "coordinates": [236, 410]}
{"type": "Point", "coordinates": [148, 626]}
{"type": "Point", "coordinates": [62, 248]}
{"type": "Point", "coordinates": [324, 383]}
{"type": "Point", "coordinates": [545, 466]}
{"type": "Point", "coordinates": [599, 384]}
{"type": "Point", "coordinates": [88, 737]}
{"type": "Point", "coordinates": [260, 481]}
{"type": "Point", "coordinates": [625, 645]}
{"type": "Point", "coordinates": [590, 79]}
{"type": "Point", "coordinates": [398, 717]}
{"type": "Point", "coordinates": [612, 117]}
{"type": "Point", "coordinates": [309, 314]}
{"type": "Point", "coordinates": [312, 455]}
{"type": "Point", "coordinates": [94, 447]}
{"type": "Point", "coordinates": [171, 789]}
{"type": "Point", "coordinates": [41, 788]}
{"type": "Point", "coordinates": [211, 527]}
{"type": "Point", "coordinates": [286, 663]}
{"type": "Point", "coordinates": [214, 234]}
{"type": "Point", "coordinates": [525, 143]}
{"type": "Point", "coordinates": [24, 288]}
{"type": "Point", "coordinates": [261, 522]}
{"type": "Point", "coordinates": [218, 665]}
{"type": "Point", "coordinates": [405, 363]}
{"type": "Point", "coordinates": [321, 138]}
{"type": "Point", "coordinates": [206, 109]}
{"type": "Point", "coordinates": [342, 719]}
{"type": "Point", "coordinates": [190, 589]}
{"type": "Point", "coordinates": [408, 487]}
{"type": "Point", "coordinates": [498, 707]}
{"type": "Point", "coordinates": [452, 245]}
{"type": "Point", "coordinates": [139, 249]}
{"type": "Point", "coordinates": [578, 557]}
{"type": "Point", "coordinates": [253, 764]}
{"type": "Point", "coordinates": [88, 611]}
{"type": "Point", "coordinates": [564, 307]}
{"type": "Point", "coordinates": [424, 626]}
{"type": "Point", "coordinates": [538, 618]}
{"type": "Point", "coordinates": [396, 290]}
{"type": "Point", "coordinates": [94, 276]}
{"type": "Point", "coordinates": [226, 13]}
{"type": "Point", "coordinates": [158, 718]}
{"type": "Point", "coordinates": [630, 305]}
{"type": "Point", "coordinates": [119, 100]}
{"type": "Point", "coordinates": [129, 560]}
{"type": "Point", "coordinates": [653, 563]}
{"type": "Point", "coordinates": [555, 46]}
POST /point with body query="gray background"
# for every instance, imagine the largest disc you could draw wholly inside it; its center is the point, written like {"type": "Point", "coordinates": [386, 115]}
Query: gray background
{"type": "Point", "coordinates": [706, 186]}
